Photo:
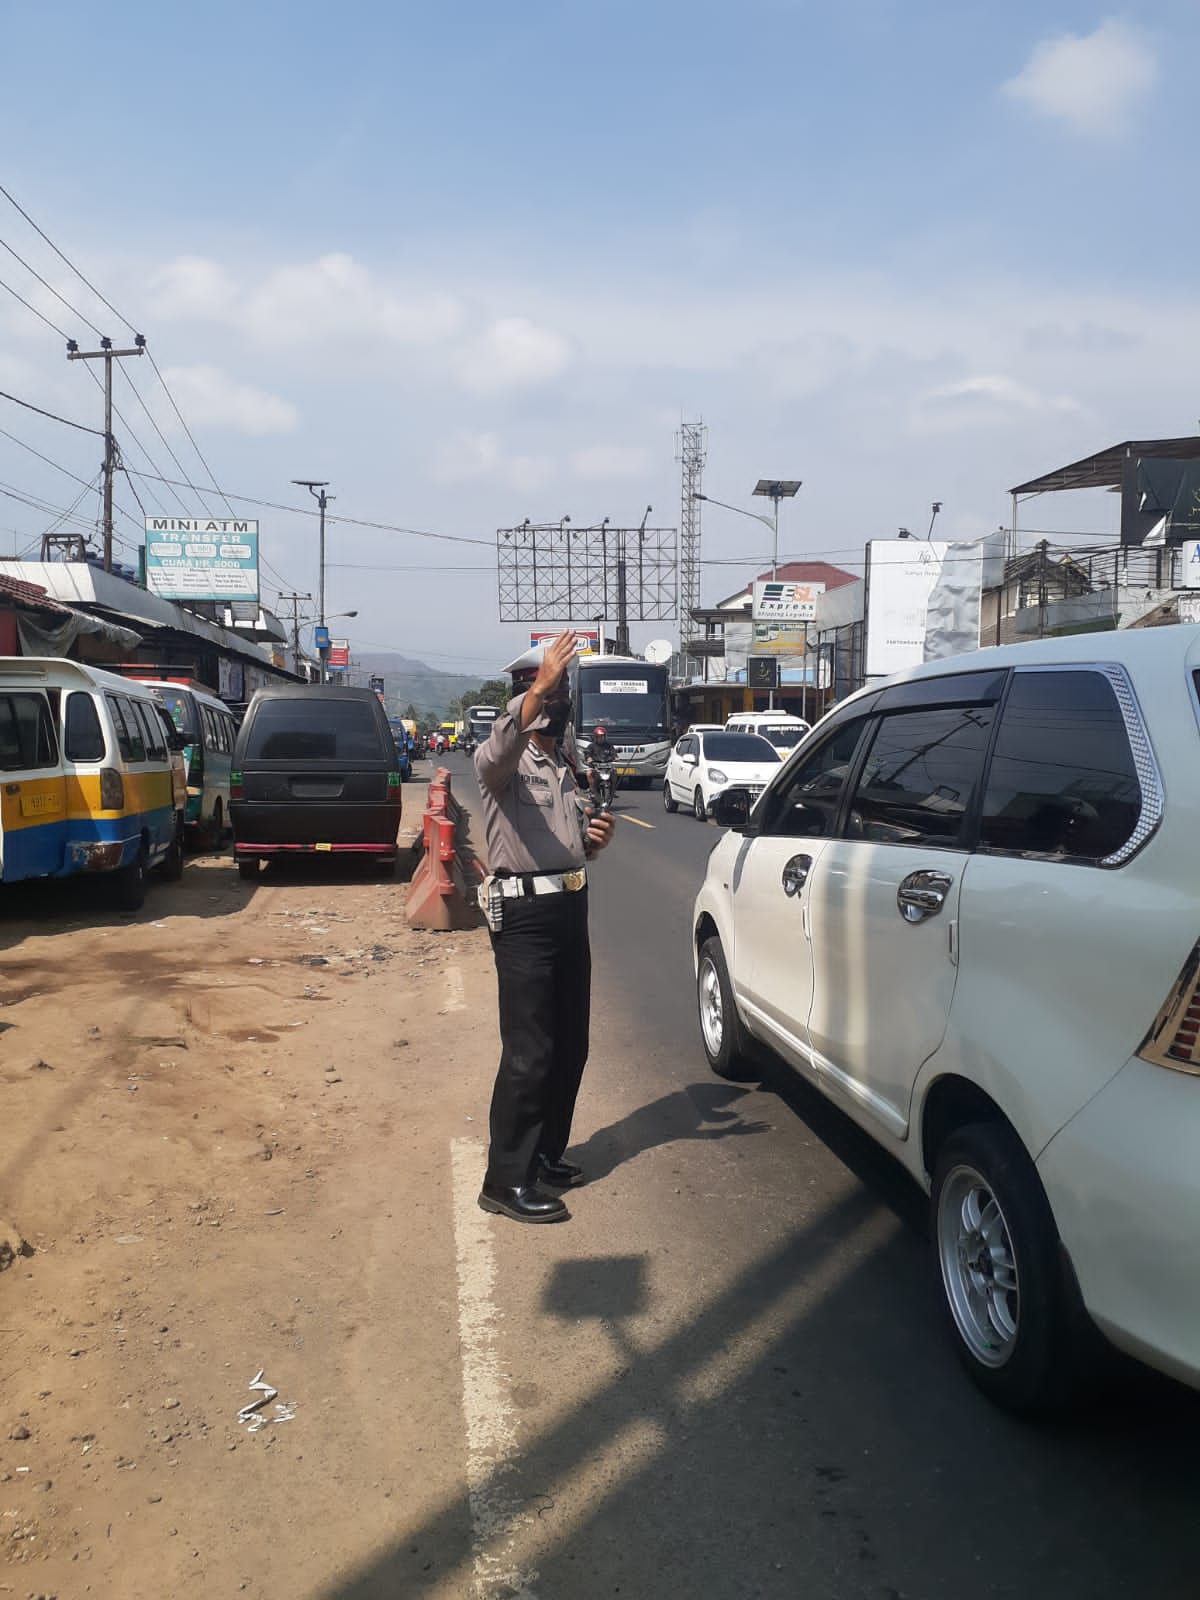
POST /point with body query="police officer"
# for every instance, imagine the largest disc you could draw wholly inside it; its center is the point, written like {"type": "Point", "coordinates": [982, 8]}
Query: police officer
{"type": "Point", "coordinates": [539, 838]}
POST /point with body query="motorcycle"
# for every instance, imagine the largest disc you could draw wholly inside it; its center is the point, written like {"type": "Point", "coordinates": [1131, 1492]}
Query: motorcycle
{"type": "Point", "coordinates": [604, 784]}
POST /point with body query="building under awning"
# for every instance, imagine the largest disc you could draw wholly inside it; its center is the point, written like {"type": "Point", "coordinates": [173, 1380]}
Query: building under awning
{"type": "Point", "coordinates": [1158, 481]}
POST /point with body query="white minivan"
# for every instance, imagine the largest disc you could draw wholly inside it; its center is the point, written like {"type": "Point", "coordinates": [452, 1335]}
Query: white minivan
{"type": "Point", "coordinates": [969, 911]}
{"type": "Point", "coordinates": [779, 728]}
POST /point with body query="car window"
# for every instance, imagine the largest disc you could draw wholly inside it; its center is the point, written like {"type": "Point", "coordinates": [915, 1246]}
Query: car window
{"type": "Point", "coordinates": [136, 737]}
{"type": "Point", "coordinates": [120, 726]}
{"type": "Point", "coordinates": [27, 739]}
{"type": "Point", "coordinates": [84, 737]}
{"type": "Point", "coordinates": [784, 738]}
{"type": "Point", "coordinates": [299, 729]}
{"type": "Point", "coordinates": [168, 727]}
{"type": "Point", "coordinates": [737, 747]}
{"type": "Point", "coordinates": [1062, 783]}
{"type": "Point", "coordinates": [181, 709]}
{"type": "Point", "coordinates": [805, 805]}
{"type": "Point", "coordinates": [152, 738]}
{"type": "Point", "coordinates": [685, 747]}
{"type": "Point", "coordinates": [921, 776]}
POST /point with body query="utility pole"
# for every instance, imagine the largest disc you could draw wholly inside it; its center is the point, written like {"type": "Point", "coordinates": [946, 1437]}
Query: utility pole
{"type": "Point", "coordinates": [106, 353]}
{"type": "Point", "coordinates": [295, 600]}
{"type": "Point", "coordinates": [322, 499]}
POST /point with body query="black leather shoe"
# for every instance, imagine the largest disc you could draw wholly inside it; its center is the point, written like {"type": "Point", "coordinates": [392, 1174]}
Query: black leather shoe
{"type": "Point", "coordinates": [561, 1174]}
{"type": "Point", "coordinates": [525, 1204]}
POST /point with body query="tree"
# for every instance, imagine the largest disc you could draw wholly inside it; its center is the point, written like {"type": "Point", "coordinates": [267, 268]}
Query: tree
{"type": "Point", "coordinates": [495, 692]}
{"type": "Point", "coordinates": [410, 713]}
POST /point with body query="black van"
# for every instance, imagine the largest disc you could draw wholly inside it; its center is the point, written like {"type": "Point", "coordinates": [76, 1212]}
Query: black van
{"type": "Point", "coordinates": [314, 770]}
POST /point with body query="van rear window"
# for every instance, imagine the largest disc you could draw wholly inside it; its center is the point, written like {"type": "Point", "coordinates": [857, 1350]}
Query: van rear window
{"type": "Point", "coordinates": [297, 729]}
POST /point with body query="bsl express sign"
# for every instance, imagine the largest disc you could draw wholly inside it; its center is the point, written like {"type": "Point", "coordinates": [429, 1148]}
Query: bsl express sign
{"type": "Point", "coordinates": [202, 558]}
{"type": "Point", "coordinates": [777, 601]}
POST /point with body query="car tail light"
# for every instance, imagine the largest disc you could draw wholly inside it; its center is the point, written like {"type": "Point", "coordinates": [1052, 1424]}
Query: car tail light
{"type": "Point", "coordinates": [1174, 1040]}
{"type": "Point", "coordinates": [235, 786]}
{"type": "Point", "coordinates": [112, 790]}
{"type": "Point", "coordinates": [394, 792]}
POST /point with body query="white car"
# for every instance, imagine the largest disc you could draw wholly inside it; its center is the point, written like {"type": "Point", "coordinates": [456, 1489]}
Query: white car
{"type": "Point", "coordinates": [703, 765]}
{"type": "Point", "coordinates": [968, 909]}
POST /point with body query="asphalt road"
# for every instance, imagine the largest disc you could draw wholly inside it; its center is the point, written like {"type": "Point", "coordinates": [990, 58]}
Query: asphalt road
{"type": "Point", "coordinates": [752, 1394]}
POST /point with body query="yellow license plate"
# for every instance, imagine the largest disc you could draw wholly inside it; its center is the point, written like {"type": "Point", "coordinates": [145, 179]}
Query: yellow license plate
{"type": "Point", "coordinates": [624, 772]}
{"type": "Point", "coordinates": [322, 847]}
{"type": "Point", "coordinates": [36, 805]}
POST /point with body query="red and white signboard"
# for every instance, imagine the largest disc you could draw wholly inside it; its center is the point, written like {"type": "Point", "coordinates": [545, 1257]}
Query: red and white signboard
{"type": "Point", "coordinates": [339, 653]}
{"type": "Point", "coordinates": [585, 644]}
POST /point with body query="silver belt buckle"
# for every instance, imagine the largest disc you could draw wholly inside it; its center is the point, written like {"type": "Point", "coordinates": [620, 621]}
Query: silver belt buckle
{"type": "Point", "coordinates": [574, 881]}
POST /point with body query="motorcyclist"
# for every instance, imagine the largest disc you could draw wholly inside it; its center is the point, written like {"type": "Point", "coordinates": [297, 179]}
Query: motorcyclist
{"type": "Point", "coordinates": [601, 753]}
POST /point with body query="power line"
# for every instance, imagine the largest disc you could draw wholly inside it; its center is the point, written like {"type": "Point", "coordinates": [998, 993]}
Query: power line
{"type": "Point", "coordinates": [188, 431]}
{"type": "Point", "coordinates": [66, 421]}
{"type": "Point", "coordinates": [53, 326]}
{"type": "Point", "coordinates": [67, 261]}
{"type": "Point", "coordinates": [58, 467]}
{"type": "Point", "coordinates": [162, 435]}
{"type": "Point", "coordinates": [74, 310]}
{"type": "Point", "coordinates": [303, 511]}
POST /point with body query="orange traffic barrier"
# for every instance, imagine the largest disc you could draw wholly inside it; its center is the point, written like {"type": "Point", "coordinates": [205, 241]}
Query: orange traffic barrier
{"type": "Point", "coordinates": [438, 896]}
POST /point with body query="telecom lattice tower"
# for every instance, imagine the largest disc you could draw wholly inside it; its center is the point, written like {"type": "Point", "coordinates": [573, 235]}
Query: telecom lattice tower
{"type": "Point", "coordinates": [690, 450]}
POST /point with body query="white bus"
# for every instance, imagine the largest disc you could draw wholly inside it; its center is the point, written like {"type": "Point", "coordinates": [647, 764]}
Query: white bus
{"type": "Point", "coordinates": [479, 721]}
{"type": "Point", "coordinates": [631, 700]}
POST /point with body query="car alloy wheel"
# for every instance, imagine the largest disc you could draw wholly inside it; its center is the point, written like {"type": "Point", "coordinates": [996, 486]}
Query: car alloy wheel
{"type": "Point", "coordinates": [712, 1008]}
{"type": "Point", "coordinates": [725, 1043]}
{"type": "Point", "coordinates": [698, 808]}
{"type": "Point", "coordinates": [979, 1268]}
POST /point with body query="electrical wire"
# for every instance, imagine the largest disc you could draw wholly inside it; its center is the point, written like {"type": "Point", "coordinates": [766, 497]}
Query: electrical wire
{"type": "Point", "coordinates": [351, 522]}
{"type": "Point", "coordinates": [33, 272]}
{"type": "Point", "coordinates": [189, 433]}
{"type": "Point", "coordinates": [66, 421]}
{"type": "Point", "coordinates": [129, 430]}
{"type": "Point", "coordinates": [53, 326]}
{"type": "Point", "coordinates": [67, 261]}
{"type": "Point", "coordinates": [166, 442]}
{"type": "Point", "coordinates": [56, 465]}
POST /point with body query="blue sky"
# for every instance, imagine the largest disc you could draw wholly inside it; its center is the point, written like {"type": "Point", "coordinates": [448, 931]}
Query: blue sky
{"type": "Point", "coordinates": [472, 264]}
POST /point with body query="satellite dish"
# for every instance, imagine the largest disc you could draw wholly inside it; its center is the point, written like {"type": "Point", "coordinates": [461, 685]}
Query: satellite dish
{"type": "Point", "coordinates": [658, 651]}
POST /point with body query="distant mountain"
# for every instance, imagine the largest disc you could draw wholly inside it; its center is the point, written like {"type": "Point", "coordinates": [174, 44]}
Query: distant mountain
{"type": "Point", "coordinates": [412, 682]}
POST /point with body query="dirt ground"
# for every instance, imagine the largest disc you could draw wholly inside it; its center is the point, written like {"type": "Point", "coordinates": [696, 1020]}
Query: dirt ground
{"type": "Point", "coordinates": [219, 1126]}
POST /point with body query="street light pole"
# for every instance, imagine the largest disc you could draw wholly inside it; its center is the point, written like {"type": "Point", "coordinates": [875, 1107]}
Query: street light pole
{"type": "Point", "coordinates": [313, 485]}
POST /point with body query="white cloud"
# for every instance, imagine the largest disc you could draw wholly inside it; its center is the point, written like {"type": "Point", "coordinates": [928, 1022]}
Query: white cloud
{"type": "Point", "coordinates": [333, 297]}
{"type": "Point", "coordinates": [610, 461]}
{"type": "Point", "coordinates": [191, 286]}
{"type": "Point", "coordinates": [513, 353]}
{"type": "Point", "coordinates": [985, 400]}
{"type": "Point", "coordinates": [1092, 82]}
{"type": "Point", "coordinates": [473, 457]}
{"type": "Point", "coordinates": [210, 399]}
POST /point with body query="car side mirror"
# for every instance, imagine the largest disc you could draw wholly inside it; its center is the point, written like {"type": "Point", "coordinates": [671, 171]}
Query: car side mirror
{"type": "Point", "coordinates": [177, 740]}
{"type": "Point", "coordinates": [731, 808]}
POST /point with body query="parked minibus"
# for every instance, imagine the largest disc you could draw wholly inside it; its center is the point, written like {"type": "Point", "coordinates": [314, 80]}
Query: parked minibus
{"type": "Point", "coordinates": [85, 777]}
{"type": "Point", "coordinates": [210, 732]}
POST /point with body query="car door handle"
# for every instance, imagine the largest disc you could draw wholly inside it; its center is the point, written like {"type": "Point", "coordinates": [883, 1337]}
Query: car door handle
{"type": "Point", "coordinates": [795, 875]}
{"type": "Point", "coordinates": [922, 895]}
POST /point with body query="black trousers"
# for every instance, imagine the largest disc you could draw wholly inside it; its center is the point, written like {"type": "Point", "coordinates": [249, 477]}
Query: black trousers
{"type": "Point", "coordinates": [544, 978]}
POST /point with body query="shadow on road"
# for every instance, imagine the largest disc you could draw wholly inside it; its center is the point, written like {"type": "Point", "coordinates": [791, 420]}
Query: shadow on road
{"type": "Point", "coordinates": [805, 1442]}
{"type": "Point", "coordinates": [699, 1111]}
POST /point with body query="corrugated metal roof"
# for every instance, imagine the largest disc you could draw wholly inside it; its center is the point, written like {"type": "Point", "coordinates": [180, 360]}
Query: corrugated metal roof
{"type": "Point", "coordinates": [30, 596]}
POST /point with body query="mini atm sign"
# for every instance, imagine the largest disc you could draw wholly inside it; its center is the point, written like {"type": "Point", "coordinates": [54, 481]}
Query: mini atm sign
{"type": "Point", "coordinates": [202, 558]}
{"type": "Point", "coordinates": [777, 601]}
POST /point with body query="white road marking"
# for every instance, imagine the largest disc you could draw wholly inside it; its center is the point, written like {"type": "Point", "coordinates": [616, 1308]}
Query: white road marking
{"type": "Point", "coordinates": [492, 1453]}
{"type": "Point", "coordinates": [455, 994]}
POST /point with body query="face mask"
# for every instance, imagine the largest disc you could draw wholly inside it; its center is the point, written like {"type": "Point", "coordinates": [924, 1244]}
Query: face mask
{"type": "Point", "coordinates": [555, 718]}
